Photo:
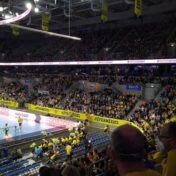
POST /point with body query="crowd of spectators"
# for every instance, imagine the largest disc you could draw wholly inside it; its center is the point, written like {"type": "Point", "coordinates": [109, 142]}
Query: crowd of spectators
{"type": "Point", "coordinates": [130, 153]}
{"type": "Point", "coordinates": [103, 103]}
{"type": "Point", "coordinates": [56, 91]}
{"type": "Point", "coordinates": [127, 155]}
{"type": "Point", "coordinates": [150, 116]}
{"type": "Point", "coordinates": [50, 150]}
{"type": "Point", "coordinates": [145, 41]}
{"type": "Point", "coordinates": [14, 91]}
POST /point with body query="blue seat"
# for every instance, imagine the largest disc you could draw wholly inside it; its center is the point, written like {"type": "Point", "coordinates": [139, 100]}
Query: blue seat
{"type": "Point", "coordinates": [4, 169]}
{"type": "Point", "coordinates": [23, 170]}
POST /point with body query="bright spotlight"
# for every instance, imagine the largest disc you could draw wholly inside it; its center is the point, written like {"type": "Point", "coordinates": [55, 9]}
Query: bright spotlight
{"type": "Point", "coordinates": [36, 10]}
{"type": "Point", "coordinates": [7, 16]}
{"type": "Point", "coordinates": [16, 13]}
{"type": "Point", "coordinates": [29, 5]}
{"type": "Point", "coordinates": [172, 44]}
{"type": "Point", "coordinates": [1, 9]}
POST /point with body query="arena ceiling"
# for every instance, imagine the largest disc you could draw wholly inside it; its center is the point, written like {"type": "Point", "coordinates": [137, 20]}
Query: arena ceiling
{"type": "Point", "coordinates": [84, 12]}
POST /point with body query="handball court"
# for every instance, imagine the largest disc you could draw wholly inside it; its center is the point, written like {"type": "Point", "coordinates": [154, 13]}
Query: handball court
{"type": "Point", "coordinates": [30, 127]}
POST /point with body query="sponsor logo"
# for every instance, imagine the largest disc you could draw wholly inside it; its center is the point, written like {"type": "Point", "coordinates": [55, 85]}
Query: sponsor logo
{"type": "Point", "coordinates": [105, 120]}
{"type": "Point", "coordinates": [42, 109]}
{"type": "Point", "coordinates": [76, 115]}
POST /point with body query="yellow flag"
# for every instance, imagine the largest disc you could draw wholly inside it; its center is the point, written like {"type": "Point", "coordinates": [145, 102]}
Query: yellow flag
{"type": "Point", "coordinates": [45, 22]}
{"type": "Point", "coordinates": [16, 30]}
{"type": "Point", "coordinates": [104, 11]}
{"type": "Point", "coordinates": [138, 8]}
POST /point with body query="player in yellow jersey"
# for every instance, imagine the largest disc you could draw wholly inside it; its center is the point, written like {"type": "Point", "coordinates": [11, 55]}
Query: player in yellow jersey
{"type": "Point", "coordinates": [20, 122]}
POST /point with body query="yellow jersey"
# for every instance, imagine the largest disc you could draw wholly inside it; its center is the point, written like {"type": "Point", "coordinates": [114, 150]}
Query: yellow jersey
{"type": "Point", "coordinates": [169, 166]}
{"type": "Point", "coordinates": [68, 149]}
{"type": "Point", "coordinates": [50, 144]}
{"type": "Point", "coordinates": [77, 141]}
{"type": "Point", "coordinates": [55, 155]}
{"type": "Point", "coordinates": [33, 145]}
{"type": "Point", "coordinates": [74, 142]}
{"type": "Point", "coordinates": [63, 140]}
{"type": "Point", "coordinates": [55, 140]}
{"type": "Point", "coordinates": [44, 132]}
{"type": "Point", "coordinates": [66, 139]}
{"type": "Point", "coordinates": [20, 120]}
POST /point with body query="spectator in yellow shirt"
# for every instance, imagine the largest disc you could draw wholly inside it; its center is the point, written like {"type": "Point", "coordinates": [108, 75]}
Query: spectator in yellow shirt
{"type": "Point", "coordinates": [63, 140]}
{"type": "Point", "coordinates": [55, 156]}
{"type": "Point", "coordinates": [168, 138]}
{"type": "Point", "coordinates": [69, 152]}
{"type": "Point", "coordinates": [50, 145]}
{"type": "Point", "coordinates": [74, 142]}
{"type": "Point", "coordinates": [127, 151]}
{"type": "Point", "coordinates": [77, 141]}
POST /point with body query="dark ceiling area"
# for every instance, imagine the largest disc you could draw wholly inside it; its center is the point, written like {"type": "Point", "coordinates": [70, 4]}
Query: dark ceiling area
{"type": "Point", "coordinates": [84, 12]}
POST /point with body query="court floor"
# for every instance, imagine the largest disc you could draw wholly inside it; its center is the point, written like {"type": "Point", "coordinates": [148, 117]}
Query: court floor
{"type": "Point", "coordinates": [29, 129]}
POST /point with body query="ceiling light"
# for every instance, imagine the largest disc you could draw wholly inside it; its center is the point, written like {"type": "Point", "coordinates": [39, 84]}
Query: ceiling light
{"type": "Point", "coordinates": [7, 16]}
{"type": "Point", "coordinates": [16, 13]}
{"type": "Point", "coordinates": [29, 5]}
{"type": "Point", "coordinates": [36, 0]}
{"type": "Point", "coordinates": [172, 44]}
{"type": "Point", "coordinates": [36, 10]}
{"type": "Point", "coordinates": [1, 9]}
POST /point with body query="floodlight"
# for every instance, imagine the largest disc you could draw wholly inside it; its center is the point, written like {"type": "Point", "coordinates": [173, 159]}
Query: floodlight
{"type": "Point", "coordinates": [1, 9]}
{"type": "Point", "coordinates": [29, 5]}
{"type": "Point", "coordinates": [36, 10]}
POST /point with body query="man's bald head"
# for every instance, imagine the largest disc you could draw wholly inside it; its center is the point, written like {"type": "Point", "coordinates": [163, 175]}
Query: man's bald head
{"type": "Point", "coordinates": [128, 143]}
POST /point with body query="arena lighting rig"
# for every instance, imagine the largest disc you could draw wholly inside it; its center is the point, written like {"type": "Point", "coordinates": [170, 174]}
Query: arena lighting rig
{"type": "Point", "coordinates": [45, 32]}
{"type": "Point", "coordinates": [113, 62]}
{"type": "Point", "coordinates": [18, 17]}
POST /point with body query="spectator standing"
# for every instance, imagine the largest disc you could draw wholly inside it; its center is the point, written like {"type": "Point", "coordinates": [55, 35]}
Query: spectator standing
{"type": "Point", "coordinates": [69, 151]}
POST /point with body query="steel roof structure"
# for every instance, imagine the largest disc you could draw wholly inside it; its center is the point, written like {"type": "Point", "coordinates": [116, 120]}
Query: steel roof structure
{"type": "Point", "coordinates": [87, 12]}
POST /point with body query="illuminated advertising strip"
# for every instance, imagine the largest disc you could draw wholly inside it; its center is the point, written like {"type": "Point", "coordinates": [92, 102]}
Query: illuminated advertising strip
{"type": "Point", "coordinates": [16, 18]}
{"type": "Point", "coordinates": [113, 62]}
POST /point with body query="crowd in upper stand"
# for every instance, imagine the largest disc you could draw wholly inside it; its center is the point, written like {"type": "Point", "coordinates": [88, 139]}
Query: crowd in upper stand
{"type": "Point", "coordinates": [136, 42]}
